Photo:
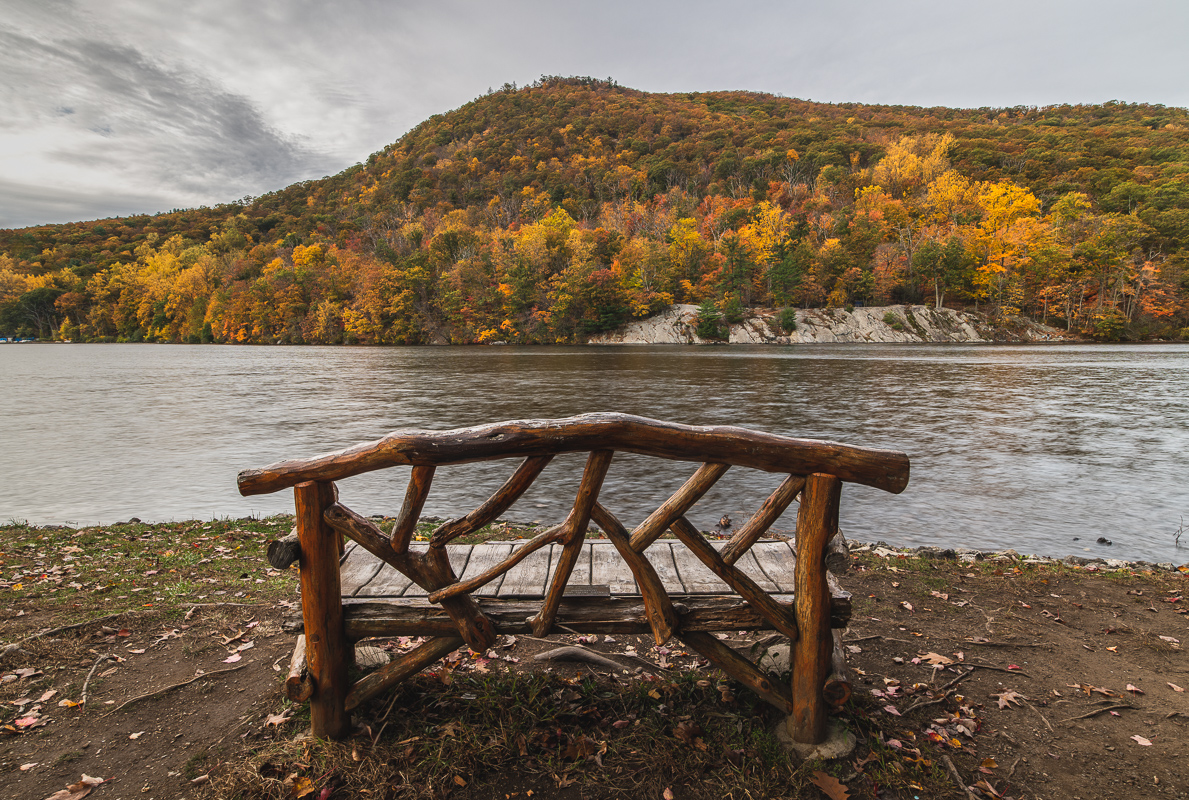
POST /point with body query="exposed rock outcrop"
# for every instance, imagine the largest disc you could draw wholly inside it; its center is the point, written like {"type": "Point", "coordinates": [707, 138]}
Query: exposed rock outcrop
{"type": "Point", "coordinates": [876, 324]}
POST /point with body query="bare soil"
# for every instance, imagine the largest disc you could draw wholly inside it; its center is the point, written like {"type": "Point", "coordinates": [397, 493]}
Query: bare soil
{"type": "Point", "coordinates": [1030, 681]}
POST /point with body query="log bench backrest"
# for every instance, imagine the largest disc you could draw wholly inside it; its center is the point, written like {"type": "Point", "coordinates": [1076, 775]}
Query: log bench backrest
{"type": "Point", "coordinates": [814, 469]}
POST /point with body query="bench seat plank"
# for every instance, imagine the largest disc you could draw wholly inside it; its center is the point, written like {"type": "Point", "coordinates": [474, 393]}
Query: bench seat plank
{"type": "Point", "coordinates": [527, 579]}
{"type": "Point", "coordinates": [608, 569]}
{"type": "Point", "coordinates": [769, 563]}
{"type": "Point", "coordinates": [419, 617]}
{"type": "Point", "coordinates": [778, 561]}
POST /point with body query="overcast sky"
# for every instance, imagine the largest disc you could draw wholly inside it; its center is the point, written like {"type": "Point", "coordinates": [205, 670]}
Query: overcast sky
{"type": "Point", "coordinates": [112, 107]}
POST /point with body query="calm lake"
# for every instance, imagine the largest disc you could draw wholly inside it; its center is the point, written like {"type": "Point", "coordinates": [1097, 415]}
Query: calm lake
{"type": "Point", "coordinates": [1028, 447]}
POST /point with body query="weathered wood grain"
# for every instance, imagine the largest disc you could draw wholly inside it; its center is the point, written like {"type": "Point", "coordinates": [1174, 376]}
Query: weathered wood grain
{"type": "Point", "coordinates": [762, 520]}
{"type": "Point", "coordinates": [519, 554]}
{"type": "Point", "coordinates": [483, 557]}
{"type": "Point", "coordinates": [739, 668]}
{"type": "Point", "coordinates": [284, 552]}
{"type": "Point", "coordinates": [837, 554]}
{"type": "Point", "coordinates": [495, 505]}
{"type": "Point", "coordinates": [680, 502]}
{"type": "Point", "coordinates": [608, 569]}
{"type": "Point", "coordinates": [400, 669]}
{"type": "Point", "coordinates": [410, 510]}
{"type": "Point", "coordinates": [883, 469]}
{"type": "Point", "coordinates": [780, 616]}
{"type": "Point", "coordinates": [474, 628]}
{"type": "Point", "coordinates": [298, 686]}
{"type": "Point", "coordinates": [837, 689]}
{"type": "Point", "coordinates": [417, 617]}
{"type": "Point", "coordinates": [527, 579]}
{"type": "Point", "coordinates": [817, 520]}
{"type": "Point", "coordinates": [748, 565]}
{"type": "Point", "coordinates": [658, 607]}
{"type": "Point", "coordinates": [328, 653]}
{"type": "Point", "coordinates": [778, 561]}
{"type": "Point", "coordinates": [573, 537]}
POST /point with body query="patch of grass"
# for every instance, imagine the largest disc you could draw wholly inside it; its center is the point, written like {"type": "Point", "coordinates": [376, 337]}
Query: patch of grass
{"type": "Point", "coordinates": [81, 574]}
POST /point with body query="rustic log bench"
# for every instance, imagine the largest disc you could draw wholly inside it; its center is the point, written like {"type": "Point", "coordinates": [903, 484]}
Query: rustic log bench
{"type": "Point", "coordinates": [689, 587]}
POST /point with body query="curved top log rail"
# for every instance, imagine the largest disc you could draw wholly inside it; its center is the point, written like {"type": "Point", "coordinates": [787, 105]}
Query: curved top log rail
{"type": "Point", "coordinates": [882, 469]}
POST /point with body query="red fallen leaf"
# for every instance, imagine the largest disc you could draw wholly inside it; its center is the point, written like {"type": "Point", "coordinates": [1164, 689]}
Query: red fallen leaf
{"type": "Point", "coordinates": [1013, 666]}
{"type": "Point", "coordinates": [831, 786]}
{"type": "Point", "coordinates": [668, 794]}
{"type": "Point", "coordinates": [620, 724]}
{"type": "Point", "coordinates": [123, 632]}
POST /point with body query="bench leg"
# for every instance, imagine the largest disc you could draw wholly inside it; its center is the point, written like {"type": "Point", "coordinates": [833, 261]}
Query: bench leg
{"type": "Point", "coordinates": [328, 653]}
{"type": "Point", "coordinates": [817, 520]}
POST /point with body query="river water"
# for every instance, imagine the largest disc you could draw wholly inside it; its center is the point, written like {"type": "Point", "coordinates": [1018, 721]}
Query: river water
{"type": "Point", "coordinates": [1040, 448]}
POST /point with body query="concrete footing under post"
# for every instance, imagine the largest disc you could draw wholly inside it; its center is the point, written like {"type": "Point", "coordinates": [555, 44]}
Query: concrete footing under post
{"type": "Point", "coordinates": [839, 742]}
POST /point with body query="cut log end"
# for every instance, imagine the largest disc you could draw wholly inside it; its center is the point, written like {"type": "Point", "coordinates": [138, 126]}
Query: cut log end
{"type": "Point", "coordinates": [284, 552]}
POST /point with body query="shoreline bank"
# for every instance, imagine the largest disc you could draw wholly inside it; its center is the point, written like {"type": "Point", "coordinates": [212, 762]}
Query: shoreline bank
{"type": "Point", "coordinates": [881, 548]}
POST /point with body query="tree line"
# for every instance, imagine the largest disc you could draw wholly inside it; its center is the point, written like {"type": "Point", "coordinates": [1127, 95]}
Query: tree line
{"type": "Point", "coordinates": [550, 213]}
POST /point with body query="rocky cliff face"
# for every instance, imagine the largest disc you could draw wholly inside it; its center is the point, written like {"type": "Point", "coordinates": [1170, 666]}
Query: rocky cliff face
{"type": "Point", "coordinates": [814, 326]}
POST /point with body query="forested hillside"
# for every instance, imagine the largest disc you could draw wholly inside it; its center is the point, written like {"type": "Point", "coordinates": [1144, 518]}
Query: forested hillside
{"type": "Point", "coordinates": [550, 212]}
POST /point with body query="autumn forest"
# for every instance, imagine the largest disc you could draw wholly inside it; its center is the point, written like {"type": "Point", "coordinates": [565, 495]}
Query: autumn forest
{"type": "Point", "coordinates": [555, 211]}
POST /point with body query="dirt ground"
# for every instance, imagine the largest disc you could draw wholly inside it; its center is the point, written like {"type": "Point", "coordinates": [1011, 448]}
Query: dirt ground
{"type": "Point", "coordinates": [1018, 680]}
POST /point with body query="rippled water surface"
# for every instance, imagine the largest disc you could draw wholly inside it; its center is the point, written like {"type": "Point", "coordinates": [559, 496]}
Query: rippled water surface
{"type": "Point", "coordinates": [1012, 446]}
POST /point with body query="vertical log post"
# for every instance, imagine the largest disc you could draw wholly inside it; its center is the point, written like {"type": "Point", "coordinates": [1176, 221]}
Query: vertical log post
{"type": "Point", "coordinates": [816, 522]}
{"type": "Point", "coordinates": [328, 653]}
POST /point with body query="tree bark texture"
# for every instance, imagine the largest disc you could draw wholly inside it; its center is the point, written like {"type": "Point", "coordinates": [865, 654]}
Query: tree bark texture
{"type": "Point", "coordinates": [328, 653]}
{"type": "Point", "coordinates": [883, 469]}
{"type": "Point", "coordinates": [817, 521]}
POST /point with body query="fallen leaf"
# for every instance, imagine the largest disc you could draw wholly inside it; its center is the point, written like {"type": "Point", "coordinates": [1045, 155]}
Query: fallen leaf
{"type": "Point", "coordinates": [68, 704]}
{"type": "Point", "coordinates": [278, 719]}
{"type": "Point", "coordinates": [1134, 689]}
{"type": "Point", "coordinates": [1171, 639]}
{"type": "Point", "coordinates": [688, 731]}
{"type": "Point", "coordinates": [138, 652]}
{"type": "Point", "coordinates": [1175, 688]}
{"type": "Point", "coordinates": [937, 660]}
{"type": "Point", "coordinates": [833, 788]}
{"type": "Point", "coordinates": [1006, 698]}
{"type": "Point", "coordinates": [907, 605]}
{"type": "Point", "coordinates": [668, 794]}
{"type": "Point", "coordinates": [1114, 649]}
{"type": "Point", "coordinates": [892, 710]}
{"type": "Point", "coordinates": [47, 695]}
{"type": "Point", "coordinates": [1142, 740]}
{"type": "Point", "coordinates": [136, 735]}
{"type": "Point", "coordinates": [1013, 666]}
{"type": "Point", "coordinates": [231, 659]}
{"type": "Point", "coordinates": [27, 767]}
{"type": "Point", "coordinates": [302, 787]}
{"type": "Point", "coordinates": [461, 781]}
{"type": "Point", "coordinates": [989, 763]}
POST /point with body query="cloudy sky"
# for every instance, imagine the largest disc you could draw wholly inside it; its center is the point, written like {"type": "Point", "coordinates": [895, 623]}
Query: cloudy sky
{"type": "Point", "coordinates": [111, 107]}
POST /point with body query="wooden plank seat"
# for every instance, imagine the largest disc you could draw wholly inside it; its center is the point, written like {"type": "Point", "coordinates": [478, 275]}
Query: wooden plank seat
{"type": "Point", "coordinates": [600, 597]}
{"type": "Point", "coordinates": [632, 581]}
